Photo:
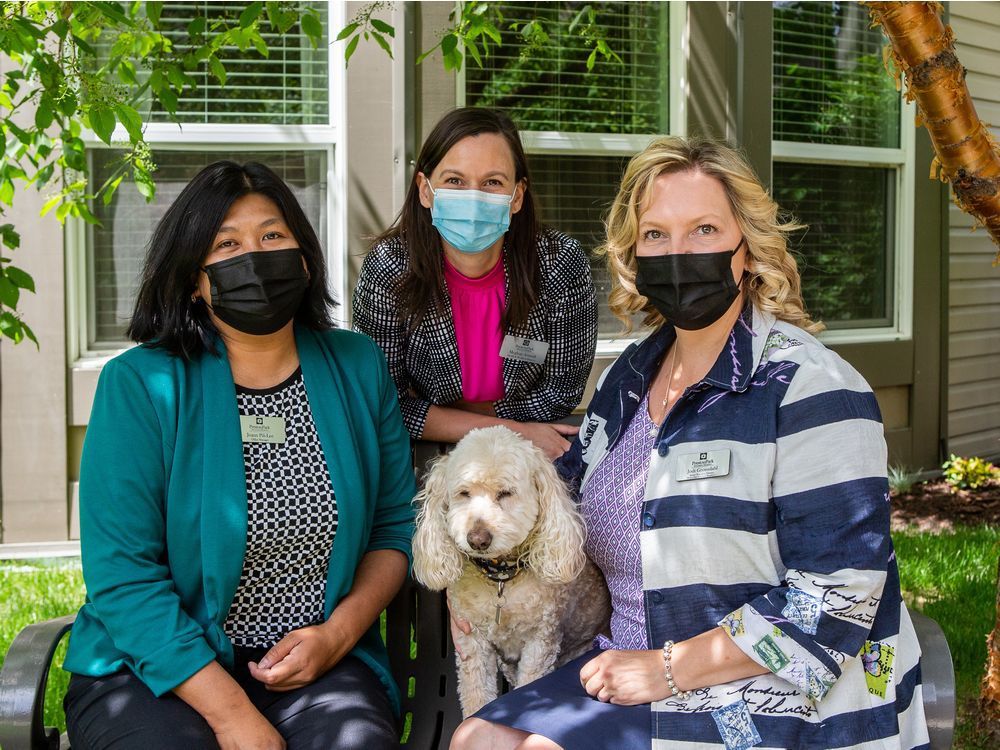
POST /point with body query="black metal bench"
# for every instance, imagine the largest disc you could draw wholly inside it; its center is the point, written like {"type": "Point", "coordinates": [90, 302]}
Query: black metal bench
{"type": "Point", "coordinates": [423, 664]}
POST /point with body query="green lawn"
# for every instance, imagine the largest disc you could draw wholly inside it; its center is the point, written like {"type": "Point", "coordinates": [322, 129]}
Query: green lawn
{"type": "Point", "coordinates": [950, 577]}
{"type": "Point", "coordinates": [35, 590]}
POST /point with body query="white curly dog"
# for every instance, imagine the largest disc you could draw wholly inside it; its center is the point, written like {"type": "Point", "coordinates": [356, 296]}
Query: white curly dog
{"type": "Point", "coordinates": [497, 528]}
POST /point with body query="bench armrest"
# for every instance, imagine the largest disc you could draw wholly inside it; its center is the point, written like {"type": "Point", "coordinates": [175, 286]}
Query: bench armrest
{"type": "Point", "coordinates": [22, 686]}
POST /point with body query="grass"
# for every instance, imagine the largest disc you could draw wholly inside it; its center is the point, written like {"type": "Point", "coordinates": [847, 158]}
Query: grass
{"type": "Point", "coordinates": [950, 577]}
{"type": "Point", "coordinates": [35, 590]}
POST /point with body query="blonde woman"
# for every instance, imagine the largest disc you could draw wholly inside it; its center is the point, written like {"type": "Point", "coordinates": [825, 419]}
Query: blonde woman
{"type": "Point", "coordinates": [731, 471]}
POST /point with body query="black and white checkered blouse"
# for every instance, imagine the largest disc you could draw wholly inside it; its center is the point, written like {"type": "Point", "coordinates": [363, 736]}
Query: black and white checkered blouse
{"type": "Point", "coordinates": [424, 362]}
{"type": "Point", "coordinates": [291, 521]}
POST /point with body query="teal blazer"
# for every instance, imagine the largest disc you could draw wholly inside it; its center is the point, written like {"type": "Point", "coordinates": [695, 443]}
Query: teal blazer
{"type": "Point", "coordinates": [163, 502]}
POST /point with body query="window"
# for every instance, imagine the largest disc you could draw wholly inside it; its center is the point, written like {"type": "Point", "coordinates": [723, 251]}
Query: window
{"type": "Point", "coordinates": [842, 165]}
{"type": "Point", "coordinates": [580, 126]}
{"type": "Point", "coordinates": [277, 111]}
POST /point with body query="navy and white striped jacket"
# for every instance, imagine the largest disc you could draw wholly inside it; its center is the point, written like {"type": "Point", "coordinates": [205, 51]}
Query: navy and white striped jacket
{"type": "Point", "coordinates": [789, 550]}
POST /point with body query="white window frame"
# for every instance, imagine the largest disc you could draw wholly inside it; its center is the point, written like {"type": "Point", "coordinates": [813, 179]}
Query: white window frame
{"type": "Point", "coordinates": [616, 144]}
{"type": "Point", "coordinates": [901, 160]}
{"type": "Point", "coordinates": [85, 357]}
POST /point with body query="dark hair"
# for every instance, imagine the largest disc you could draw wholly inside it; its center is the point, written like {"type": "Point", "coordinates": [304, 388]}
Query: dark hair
{"type": "Point", "coordinates": [165, 315]}
{"type": "Point", "coordinates": [423, 284]}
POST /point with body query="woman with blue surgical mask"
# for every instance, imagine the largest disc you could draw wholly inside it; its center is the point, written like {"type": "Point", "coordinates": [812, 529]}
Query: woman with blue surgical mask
{"type": "Point", "coordinates": [485, 316]}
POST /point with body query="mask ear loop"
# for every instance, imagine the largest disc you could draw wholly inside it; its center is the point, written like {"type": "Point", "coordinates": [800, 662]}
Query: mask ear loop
{"type": "Point", "coordinates": [746, 271]}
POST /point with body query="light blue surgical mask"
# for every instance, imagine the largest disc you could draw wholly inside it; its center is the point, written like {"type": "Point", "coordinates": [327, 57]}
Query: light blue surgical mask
{"type": "Point", "coordinates": [470, 220]}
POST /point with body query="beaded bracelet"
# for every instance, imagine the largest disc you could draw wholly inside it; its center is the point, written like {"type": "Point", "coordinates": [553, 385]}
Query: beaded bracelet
{"type": "Point", "coordinates": [668, 647]}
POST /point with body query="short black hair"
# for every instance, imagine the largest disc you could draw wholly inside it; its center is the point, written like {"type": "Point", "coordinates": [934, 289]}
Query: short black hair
{"type": "Point", "coordinates": [165, 315]}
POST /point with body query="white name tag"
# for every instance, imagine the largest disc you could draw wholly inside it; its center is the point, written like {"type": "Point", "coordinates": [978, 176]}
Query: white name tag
{"type": "Point", "coordinates": [262, 429]}
{"type": "Point", "coordinates": [525, 350]}
{"type": "Point", "coordinates": [703, 465]}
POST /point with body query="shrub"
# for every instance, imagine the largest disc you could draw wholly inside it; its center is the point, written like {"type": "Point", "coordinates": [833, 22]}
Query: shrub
{"type": "Point", "coordinates": [902, 479]}
{"type": "Point", "coordinates": [968, 473]}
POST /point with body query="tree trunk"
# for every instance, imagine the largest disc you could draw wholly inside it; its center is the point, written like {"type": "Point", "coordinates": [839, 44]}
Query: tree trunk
{"type": "Point", "coordinates": [989, 694]}
{"type": "Point", "coordinates": [923, 50]}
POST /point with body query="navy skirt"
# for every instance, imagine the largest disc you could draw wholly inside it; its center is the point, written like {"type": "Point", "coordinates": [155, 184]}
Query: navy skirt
{"type": "Point", "coordinates": [557, 707]}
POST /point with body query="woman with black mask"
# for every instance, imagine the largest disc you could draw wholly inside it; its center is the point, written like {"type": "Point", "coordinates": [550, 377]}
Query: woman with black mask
{"type": "Point", "coordinates": [244, 496]}
{"type": "Point", "coordinates": [732, 474]}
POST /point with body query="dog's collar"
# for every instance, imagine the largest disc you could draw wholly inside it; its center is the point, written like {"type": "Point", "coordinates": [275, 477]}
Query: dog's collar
{"type": "Point", "coordinates": [499, 569]}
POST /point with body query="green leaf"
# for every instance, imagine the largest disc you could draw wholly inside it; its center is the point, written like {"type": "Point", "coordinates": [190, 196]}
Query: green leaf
{"type": "Point", "coordinates": [9, 293]}
{"type": "Point", "coordinates": [22, 135]}
{"type": "Point", "coordinates": [473, 51]}
{"type": "Point", "coordinates": [168, 99]}
{"type": "Point", "coordinates": [449, 43]}
{"type": "Point", "coordinates": [492, 32]}
{"type": "Point", "coordinates": [131, 120]}
{"type": "Point", "coordinates": [29, 333]}
{"type": "Point", "coordinates": [43, 175]}
{"type": "Point", "coordinates": [218, 69]}
{"type": "Point", "coordinates": [144, 184]}
{"type": "Point", "coordinates": [7, 192]}
{"type": "Point", "coordinates": [20, 278]}
{"type": "Point", "coordinates": [382, 26]}
{"type": "Point", "coordinates": [453, 61]}
{"type": "Point", "coordinates": [347, 31]}
{"type": "Point", "coordinates": [260, 45]}
{"type": "Point", "coordinates": [351, 46]}
{"type": "Point", "coordinates": [591, 59]}
{"type": "Point", "coordinates": [153, 12]}
{"type": "Point", "coordinates": [102, 122]}
{"type": "Point", "coordinates": [11, 238]}
{"type": "Point", "coordinates": [111, 189]}
{"type": "Point", "coordinates": [250, 14]}
{"type": "Point", "coordinates": [382, 42]}
{"type": "Point", "coordinates": [50, 204]}
{"type": "Point", "coordinates": [82, 211]}
{"type": "Point", "coordinates": [43, 114]}
{"type": "Point", "coordinates": [312, 27]}
{"type": "Point", "coordinates": [126, 73]}
{"type": "Point", "coordinates": [196, 26]}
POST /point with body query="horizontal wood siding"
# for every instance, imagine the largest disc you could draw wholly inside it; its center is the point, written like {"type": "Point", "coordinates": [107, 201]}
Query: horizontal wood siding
{"type": "Point", "coordinates": [974, 283]}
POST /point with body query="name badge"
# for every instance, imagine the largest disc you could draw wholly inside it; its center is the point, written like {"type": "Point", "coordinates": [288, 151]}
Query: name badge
{"type": "Point", "coordinates": [525, 350]}
{"type": "Point", "coordinates": [262, 429]}
{"type": "Point", "coordinates": [703, 465]}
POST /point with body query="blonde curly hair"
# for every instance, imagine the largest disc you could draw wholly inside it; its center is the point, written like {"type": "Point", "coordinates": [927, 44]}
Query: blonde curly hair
{"type": "Point", "coordinates": [773, 283]}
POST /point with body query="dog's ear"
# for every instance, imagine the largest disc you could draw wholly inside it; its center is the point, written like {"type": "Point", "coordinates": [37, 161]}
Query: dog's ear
{"type": "Point", "coordinates": [436, 560]}
{"type": "Point", "coordinates": [556, 553]}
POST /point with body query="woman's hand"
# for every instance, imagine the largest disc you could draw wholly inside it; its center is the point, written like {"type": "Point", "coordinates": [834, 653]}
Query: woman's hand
{"type": "Point", "coordinates": [300, 658]}
{"type": "Point", "coordinates": [551, 437]}
{"type": "Point", "coordinates": [248, 731]}
{"type": "Point", "coordinates": [625, 678]}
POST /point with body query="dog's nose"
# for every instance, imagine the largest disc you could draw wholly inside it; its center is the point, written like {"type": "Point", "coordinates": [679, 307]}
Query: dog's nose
{"type": "Point", "coordinates": [480, 538]}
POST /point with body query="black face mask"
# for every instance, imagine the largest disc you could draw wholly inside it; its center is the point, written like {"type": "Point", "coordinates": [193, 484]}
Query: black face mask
{"type": "Point", "coordinates": [690, 290]}
{"type": "Point", "coordinates": [258, 293]}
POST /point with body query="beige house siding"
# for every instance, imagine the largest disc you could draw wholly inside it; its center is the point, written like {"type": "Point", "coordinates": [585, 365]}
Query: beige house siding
{"type": "Point", "coordinates": [974, 283]}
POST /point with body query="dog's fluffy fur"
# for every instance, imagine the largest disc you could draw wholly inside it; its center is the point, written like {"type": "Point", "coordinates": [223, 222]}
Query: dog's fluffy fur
{"type": "Point", "coordinates": [496, 486]}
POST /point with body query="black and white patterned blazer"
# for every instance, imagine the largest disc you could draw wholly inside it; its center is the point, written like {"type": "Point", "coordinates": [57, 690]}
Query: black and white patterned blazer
{"type": "Point", "coordinates": [424, 362]}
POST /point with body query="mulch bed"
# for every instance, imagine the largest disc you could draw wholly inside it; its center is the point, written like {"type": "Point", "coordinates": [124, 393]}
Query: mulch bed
{"type": "Point", "coordinates": [934, 506]}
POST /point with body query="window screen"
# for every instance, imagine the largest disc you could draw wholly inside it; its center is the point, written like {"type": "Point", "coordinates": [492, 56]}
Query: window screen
{"type": "Point", "coordinates": [288, 87]}
{"type": "Point", "coordinates": [549, 87]}
{"type": "Point", "coordinates": [845, 257]}
{"type": "Point", "coordinates": [830, 85]}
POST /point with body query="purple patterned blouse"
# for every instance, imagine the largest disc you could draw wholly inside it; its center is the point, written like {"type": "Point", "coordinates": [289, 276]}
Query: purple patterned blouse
{"type": "Point", "coordinates": [612, 508]}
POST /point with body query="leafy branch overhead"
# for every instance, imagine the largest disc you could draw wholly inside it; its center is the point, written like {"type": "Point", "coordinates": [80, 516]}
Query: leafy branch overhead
{"type": "Point", "coordinates": [104, 67]}
{"type": "Point", "coordinates": [475, 30]}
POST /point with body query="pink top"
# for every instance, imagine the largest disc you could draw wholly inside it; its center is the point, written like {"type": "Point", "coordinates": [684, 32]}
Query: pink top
{"type": "Point", "coordinates": [477, 307]}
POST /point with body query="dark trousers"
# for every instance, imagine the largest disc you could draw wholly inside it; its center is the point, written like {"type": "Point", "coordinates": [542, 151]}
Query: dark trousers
{"type": "Point", "coordinates": [345, 708]}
